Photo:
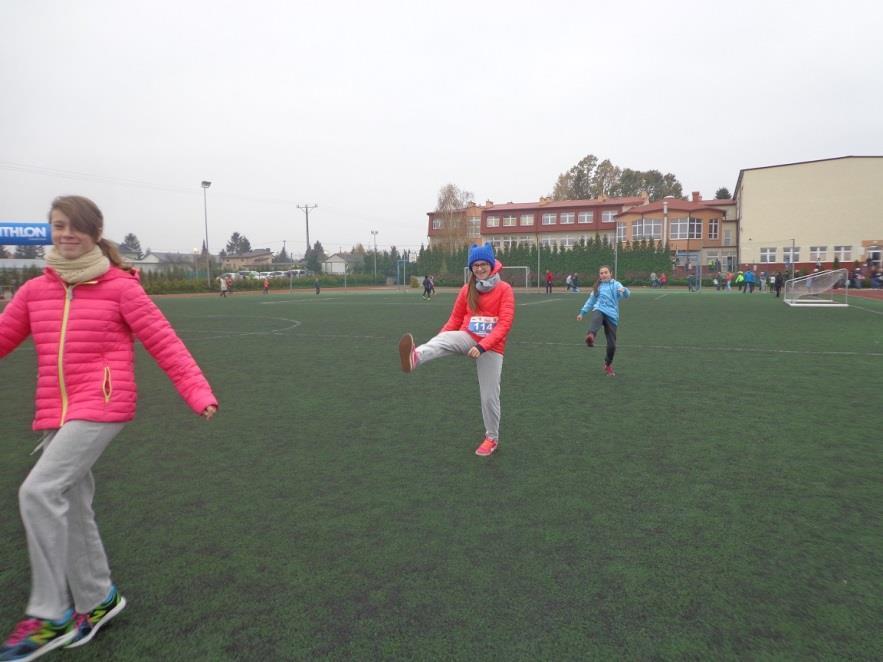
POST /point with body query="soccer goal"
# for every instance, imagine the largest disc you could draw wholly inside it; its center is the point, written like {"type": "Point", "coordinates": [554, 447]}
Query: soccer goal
{"type": "Point", "coordinates": [515, 276]}
{"type": "Point", "coordinates": [823, 289]}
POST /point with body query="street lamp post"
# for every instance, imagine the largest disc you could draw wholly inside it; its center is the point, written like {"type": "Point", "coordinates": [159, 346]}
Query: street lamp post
{"type": "Point", "coordinates": [208, 254]}
{"type": "Point", "coordinates": [374, 234]}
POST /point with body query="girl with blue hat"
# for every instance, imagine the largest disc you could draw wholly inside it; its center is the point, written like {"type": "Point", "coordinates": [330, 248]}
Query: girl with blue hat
{"type": "Point", "coordinates": [478, 327]}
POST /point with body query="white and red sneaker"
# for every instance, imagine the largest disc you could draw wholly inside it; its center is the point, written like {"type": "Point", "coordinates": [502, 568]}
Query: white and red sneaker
{"type": "Point", "coordinates": [487, 447]}
{"type": "Point", "coordinates": [408, 353]}
{"type": "Point", "coordinates": [608, 370]}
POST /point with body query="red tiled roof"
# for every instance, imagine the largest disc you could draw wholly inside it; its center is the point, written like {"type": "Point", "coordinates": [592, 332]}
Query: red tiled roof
{"type": "Point", "coordinates": [674, 204]}
{"type": "Point", "coordinates": [564, 204]}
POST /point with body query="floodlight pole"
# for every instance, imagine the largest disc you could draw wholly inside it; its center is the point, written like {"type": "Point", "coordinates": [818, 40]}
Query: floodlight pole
{"type": "Point", "coordinates": [208, 254]}
{"type": "Point", "coordinates": [374, 235]}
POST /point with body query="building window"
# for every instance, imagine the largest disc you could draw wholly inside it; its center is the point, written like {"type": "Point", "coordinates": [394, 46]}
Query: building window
{"type": "Point", "coordinates": [527, 219]}
{"type": "Point", "coordinates": [648, 228]}
{"type": "Point", "coordinates": [548, 219]}
{"type": "Point", "coordinates": [567, 218]}
{"type": "Point", "coordinates": [473, 226]}
{"type": "Point", "coordinates": [843, 253]}
{"type": "Point", "coordinates": [436, 224]}
{"type": "Point", "coordinates": [791, 254]}
{"type": "Point", "coordinates": [728, 237]}
{"type": "Point", "coordinates": [767, 255]}
{"type": "Point", "coordinates": [493, 221]}
{"type": "Point", "coordinates": [677, 228]}
{"type": "Point", "coordinates": [508, 221]}
{"type": "Point", "coordinates": [620, 231]}
{"type": "Point", "coordinates": [818, 252]}
{"type": "Point", "coordinates": [607, 216]}
{"type": "Point", "coordinates": [547, 242]}
{"type": "Point", "coordinates": [585, 217]}
{"type": "Point", "coordinates": [567, 243]}
{"type": "Point", "coordinates": [714, 228]}
{"type": "Point", "coordinates": [695, 229]}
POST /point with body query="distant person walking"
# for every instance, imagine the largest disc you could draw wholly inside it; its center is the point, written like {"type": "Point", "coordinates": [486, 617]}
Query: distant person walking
{"type": "Point", "coordinates": [316, 285]}
{"type": "Point", "coordinates": [602, 306]}
{"type": "Point", "coordinates": [477, 327]}
{"type": "Point", "coordinates": [778, 283]}
{"type": "Point", "coordinates": [548, 282]}
{"type": "Point", "coordinates": [266, 285]}
{"type": "Point", "coordinates": [427, 287]}
{"type": "Point", "coordinates": [83, 315]}
{"type": "Point", "coordinates": [222, 282]}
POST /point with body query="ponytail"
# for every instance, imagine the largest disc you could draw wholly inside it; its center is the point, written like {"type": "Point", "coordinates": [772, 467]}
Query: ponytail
{"type": "Point", "coordinates": [472, 293]}
{"type": "Point", "coordinates": [112, 253]}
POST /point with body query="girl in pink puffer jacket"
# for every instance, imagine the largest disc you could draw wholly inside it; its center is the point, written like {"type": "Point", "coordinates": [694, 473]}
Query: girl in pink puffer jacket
{"type": "Point", "coordinates": [83, 315]}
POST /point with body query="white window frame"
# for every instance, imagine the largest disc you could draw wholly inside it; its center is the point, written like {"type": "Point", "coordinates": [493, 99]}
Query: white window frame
{"type": "Point", "coordinates": [585, 217]}
{"type": "Point", "coordinates": [566, 218]}
{"type": "Point", "coordinates": [509, 221]}
{"type": "Point", "coordinates": [791, 255]}
{"type": "Point", "coordinates": [714, 225]}
{"type": "Point", "coordinates": [473, 226]}
{"type": "Point", "coordinates": [768, 255]}
{"type": "Point", "coordinates": [437, 224]}
{"type": "Point", "coordinates": [620, 232]}
{"type": "Point", "coordinates": [493, 221]}
{"type": "Point", "coordinates": [549, 219]}
{"type": "Point", "coordinates": [678, 228]}
{"type": "Point", "coordinates": [526, 219]}
{"type": "Point", "coordinates": [607, 216]}
{"type": "Point", "coordinates": [843, 253]}
{"type": "Point", "coordinates": [818, 252]}
{"type": "Point", "coordinates": [695, 230]}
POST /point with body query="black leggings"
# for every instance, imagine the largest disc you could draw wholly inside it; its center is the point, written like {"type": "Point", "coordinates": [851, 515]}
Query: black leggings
{"type": "Point", "coordinates": [598, 319]}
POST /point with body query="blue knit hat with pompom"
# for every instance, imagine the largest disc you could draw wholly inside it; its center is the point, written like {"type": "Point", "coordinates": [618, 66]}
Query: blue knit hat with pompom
{"type": "Point", "coordinates": [481, 254]}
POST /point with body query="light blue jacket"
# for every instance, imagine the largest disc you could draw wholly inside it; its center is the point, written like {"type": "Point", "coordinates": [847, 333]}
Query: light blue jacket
{"type": "Point", "coordinates": [607, 300]}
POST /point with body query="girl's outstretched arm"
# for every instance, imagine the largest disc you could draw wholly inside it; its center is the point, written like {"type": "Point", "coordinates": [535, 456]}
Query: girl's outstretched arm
{"type": "Point", "coordinates": [15, 323]}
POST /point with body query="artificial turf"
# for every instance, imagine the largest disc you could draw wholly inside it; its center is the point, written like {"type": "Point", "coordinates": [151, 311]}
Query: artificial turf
{"type": "Point", "coordinates": [718, 499]}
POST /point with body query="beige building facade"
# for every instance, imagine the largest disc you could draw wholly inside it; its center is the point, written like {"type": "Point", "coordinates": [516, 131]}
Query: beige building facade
{"type": "Point", "coordinates": [810, 213]}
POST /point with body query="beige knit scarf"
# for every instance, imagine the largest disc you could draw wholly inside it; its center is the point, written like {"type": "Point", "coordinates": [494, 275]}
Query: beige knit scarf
{"type": "Point", "coordinates": [86, 267]}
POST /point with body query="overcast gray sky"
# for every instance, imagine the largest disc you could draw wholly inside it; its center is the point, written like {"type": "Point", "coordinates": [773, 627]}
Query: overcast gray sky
{"type": "Point", "coordinates": [368, 108]}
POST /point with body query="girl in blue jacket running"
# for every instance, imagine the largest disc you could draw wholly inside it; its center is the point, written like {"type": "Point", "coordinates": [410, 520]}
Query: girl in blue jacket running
{"type": "Point", "coordinates": [603, 304]}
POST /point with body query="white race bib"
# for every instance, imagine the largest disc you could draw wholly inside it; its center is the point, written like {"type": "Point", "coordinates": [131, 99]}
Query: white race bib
{"type": "Point", "coordinates": [482, 326]}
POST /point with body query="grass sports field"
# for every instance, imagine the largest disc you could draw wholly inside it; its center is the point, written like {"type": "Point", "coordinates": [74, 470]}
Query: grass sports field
{"type": "Point", "coordinates": [719, 499]}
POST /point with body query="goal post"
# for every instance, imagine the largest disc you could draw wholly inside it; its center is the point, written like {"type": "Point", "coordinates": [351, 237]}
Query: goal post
{"type": "Point", "coordinates": [516, 276]}
{"type": "Point", "coordinates": [822, 289]}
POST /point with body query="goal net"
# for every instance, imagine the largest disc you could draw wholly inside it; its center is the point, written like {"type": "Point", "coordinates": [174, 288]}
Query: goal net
{"type": "Point", "coordinates": [821, 289]}
{"type": "Point", "coordinates": [515, 276]}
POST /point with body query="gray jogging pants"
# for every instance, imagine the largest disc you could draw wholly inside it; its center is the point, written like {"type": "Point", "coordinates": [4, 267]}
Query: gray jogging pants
{"type": "Point", "coordinates": [68, 562]}
{"type": "Point", "coordinates": [489, 366]}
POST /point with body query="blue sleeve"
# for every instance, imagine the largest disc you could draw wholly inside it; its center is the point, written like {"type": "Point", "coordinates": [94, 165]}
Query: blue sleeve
{"type": "Point", "coordinates": [587, 306]}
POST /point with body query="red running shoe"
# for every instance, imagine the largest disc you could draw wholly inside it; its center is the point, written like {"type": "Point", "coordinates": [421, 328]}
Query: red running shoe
{"type": "Point", "coordinates": [608, 369]}
{"type": "Point", "coordinates": [487, 447]}
{"type": "Point", "coordinates": [590, 339]}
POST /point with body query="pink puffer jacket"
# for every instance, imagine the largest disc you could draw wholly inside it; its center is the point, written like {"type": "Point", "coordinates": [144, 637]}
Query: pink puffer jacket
{"type": "Point", "coordinates": [83, 335]}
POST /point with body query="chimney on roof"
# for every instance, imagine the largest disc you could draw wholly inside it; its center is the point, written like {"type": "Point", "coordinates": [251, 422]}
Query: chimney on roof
{"type": "Point", "coordinates": [697, 197]}
{"type": "Point", "coordinates": [488, 203]}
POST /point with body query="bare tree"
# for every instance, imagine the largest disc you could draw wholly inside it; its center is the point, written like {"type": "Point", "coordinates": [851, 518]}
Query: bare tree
{"type": "Point", "coordinates": [450, 208]}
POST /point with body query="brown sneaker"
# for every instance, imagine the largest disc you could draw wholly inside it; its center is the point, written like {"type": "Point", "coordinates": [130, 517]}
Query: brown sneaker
{"type": "Point", "coordinates": [407, 353]}
{"type": "Point", "coordinates": [590, 339]}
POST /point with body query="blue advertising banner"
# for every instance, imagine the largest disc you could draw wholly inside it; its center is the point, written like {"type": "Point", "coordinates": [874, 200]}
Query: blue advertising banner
{"type": "Point", "coordinates": [25, 234]}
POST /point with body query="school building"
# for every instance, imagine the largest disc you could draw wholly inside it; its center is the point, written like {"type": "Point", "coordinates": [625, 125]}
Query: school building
{"type": "Point", "coordinates": [811, 212]}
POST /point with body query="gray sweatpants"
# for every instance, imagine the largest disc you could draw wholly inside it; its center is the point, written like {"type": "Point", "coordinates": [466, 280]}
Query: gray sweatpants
{"type": "Point", "coordinates": [68, 562]}
{"type": "Point", "coordinates": [489, 366]}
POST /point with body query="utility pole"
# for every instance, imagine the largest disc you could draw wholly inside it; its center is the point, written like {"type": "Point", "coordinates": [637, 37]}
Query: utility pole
{"type": "Point", "coordinates": [307, 209]}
